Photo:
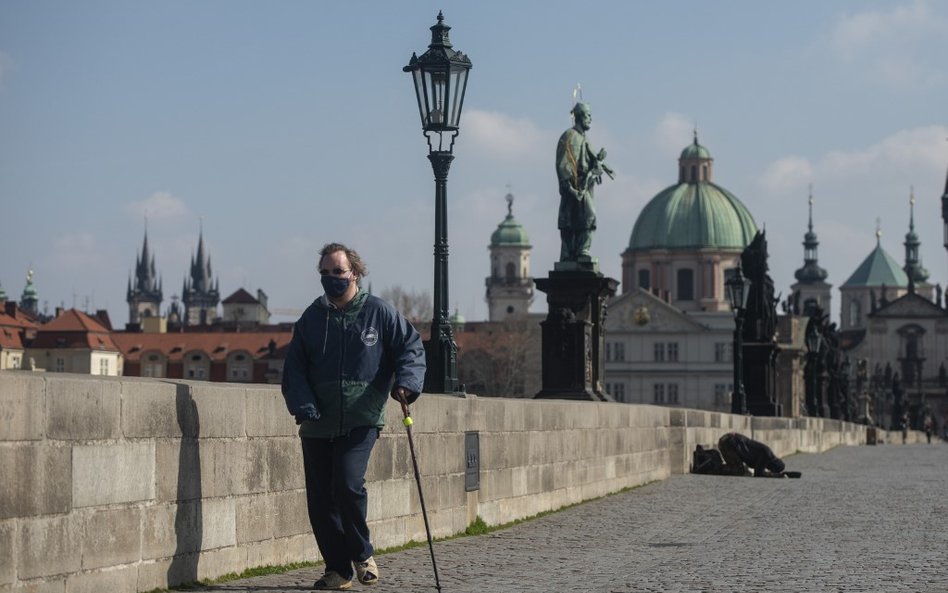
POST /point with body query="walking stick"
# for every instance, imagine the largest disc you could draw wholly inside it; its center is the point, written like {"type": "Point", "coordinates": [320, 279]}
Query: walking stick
{"type": "Point", "coordinates": [421, 497]}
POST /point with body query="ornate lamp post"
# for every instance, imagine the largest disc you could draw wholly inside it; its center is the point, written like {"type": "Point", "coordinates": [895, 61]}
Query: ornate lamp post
{"type": "Point", "coordinates": [737, 295]}
{"type": "Point", "coordinates": [440, 77]}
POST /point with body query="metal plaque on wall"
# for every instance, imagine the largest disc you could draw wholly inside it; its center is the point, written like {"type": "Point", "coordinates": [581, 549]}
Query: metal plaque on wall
{"type": "Point", "coordinates": [472, 462]}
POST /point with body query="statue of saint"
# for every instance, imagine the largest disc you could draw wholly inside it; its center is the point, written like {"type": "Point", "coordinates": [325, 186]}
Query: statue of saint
{"type": "Point", "coordinates": [579, 169]}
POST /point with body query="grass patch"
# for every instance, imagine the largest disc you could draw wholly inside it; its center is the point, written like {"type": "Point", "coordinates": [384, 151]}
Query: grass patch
{"type": "Point", "coordinates": [477, 527]}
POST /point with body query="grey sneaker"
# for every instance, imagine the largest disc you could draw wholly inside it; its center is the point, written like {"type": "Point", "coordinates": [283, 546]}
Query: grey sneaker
{"type": "Point", "coordinates": [367, 571]}
{"type": "Point", "coordinates": [332, 581]}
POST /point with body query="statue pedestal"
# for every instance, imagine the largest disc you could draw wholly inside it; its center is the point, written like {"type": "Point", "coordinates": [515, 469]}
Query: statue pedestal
{"type": "Point", "coordinates": [760, 379]}
{"type": "Point", "coordinates": [573, 337]}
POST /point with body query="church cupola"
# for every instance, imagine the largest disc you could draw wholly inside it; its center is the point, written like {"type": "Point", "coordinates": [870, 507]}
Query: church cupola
{"type": "Point", "coordinates": [509, 287]}
{"type": "Point", "coordinates": [913, 267]}
{"type": "Point", "coordinates": [695, 163]}
{"type": "Point", "coordinates": [811, 272]}
{"type": "Point", "coordinates": [144, 293]}
{"type": "Point", "coordinates": [29, 301]}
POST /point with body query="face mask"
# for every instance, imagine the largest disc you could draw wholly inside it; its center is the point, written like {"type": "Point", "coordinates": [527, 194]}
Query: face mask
{"type": "Point", "coordinates": [334, 287]}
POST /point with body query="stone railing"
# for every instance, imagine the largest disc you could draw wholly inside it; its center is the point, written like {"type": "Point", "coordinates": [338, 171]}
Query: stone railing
{"type": "Point", "coordinates": [126, 484]}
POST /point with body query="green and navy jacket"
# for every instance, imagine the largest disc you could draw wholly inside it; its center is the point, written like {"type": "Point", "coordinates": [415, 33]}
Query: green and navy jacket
{"type": "Point", "coordinates": [342, 364]}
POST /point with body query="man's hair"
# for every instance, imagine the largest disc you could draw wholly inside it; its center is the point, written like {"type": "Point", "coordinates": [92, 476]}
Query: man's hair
{"type": "Point", "coordinates": [354, 260]}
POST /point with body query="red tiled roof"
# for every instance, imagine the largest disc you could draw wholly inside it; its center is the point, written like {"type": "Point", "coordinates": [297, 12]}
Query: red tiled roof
{"type": "Point", "coordinates": [10, 339]}
{"type": "Point", "coordinates": [217, 345]}
{"type": "Point", "coordinates": [74, 320]}
{"type": "Point", "coordinates": [74, 329]}
{"type": "Point", "coordinates": [20, 320]}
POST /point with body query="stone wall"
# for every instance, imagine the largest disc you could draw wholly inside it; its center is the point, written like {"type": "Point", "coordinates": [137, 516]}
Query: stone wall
{"type": "Point", "coordinates": [127, 484]}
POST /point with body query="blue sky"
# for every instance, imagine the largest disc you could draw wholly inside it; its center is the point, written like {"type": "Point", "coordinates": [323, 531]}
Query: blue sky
{"type": "Point", "coordinates": [286, 125]}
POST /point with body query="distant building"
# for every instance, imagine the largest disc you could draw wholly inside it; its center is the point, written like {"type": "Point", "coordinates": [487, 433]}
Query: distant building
{"type": "Point", "coordinates": [242, 309]}
{"type": "Point", "coordinates": [144, 290]}
{"type": "Point", "coordinates": [75, 342]}
{"type": "Point", "coordinates": [16, 330]}
{"type": "Point", "coordinates": [201, 292]}
{"type": "Point", "coordinates": [669, 335]}
{"type": "Point", "coordinates": [241, 357]}
{"type": "Point", "coordinates": [811, 289]}
{"type": "Point", "coordinates": [29, 301]}
{"type": "Point", "coordinates": [509, 286]}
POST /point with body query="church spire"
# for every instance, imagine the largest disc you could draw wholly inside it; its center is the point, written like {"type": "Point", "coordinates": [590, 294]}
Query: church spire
{"type": "Point", "coordinates": [913, 267]}
{"type": "Point", "coordinates": [811, 272]}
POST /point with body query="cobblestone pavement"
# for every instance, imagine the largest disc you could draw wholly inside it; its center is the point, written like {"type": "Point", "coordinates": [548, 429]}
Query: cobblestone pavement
{"type": "Point", "coordinates": [860, 519]}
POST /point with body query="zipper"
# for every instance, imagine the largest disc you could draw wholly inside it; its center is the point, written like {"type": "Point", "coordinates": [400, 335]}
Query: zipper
{"type": "Point", "coordinates": [342, 366]}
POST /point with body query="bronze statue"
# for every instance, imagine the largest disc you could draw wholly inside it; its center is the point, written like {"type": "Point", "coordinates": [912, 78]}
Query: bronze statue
{"type": "Point", "coordinates": [579, 169]}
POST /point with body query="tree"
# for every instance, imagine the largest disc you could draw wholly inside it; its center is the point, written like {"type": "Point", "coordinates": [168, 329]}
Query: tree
{"type": "Point", "coordinates": [497, 359]}
{"type": "Point", "coordinates": [417, 307]}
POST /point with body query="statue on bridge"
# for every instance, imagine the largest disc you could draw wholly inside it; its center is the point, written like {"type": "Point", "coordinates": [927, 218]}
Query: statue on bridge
{"type": "Point", "coordinates": [579, 169]}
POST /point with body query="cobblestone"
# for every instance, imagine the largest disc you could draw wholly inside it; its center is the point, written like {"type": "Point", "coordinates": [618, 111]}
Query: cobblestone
{"type": "Point", "coordinates": [860, 519]}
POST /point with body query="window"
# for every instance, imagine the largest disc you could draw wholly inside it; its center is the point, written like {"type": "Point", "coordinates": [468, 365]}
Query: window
{"type": "Point", "coordinates": [722, 352]}
{"type": "Point", "coordinates": [672, 349]}
{"type": "Point", "coordinates": [511, 271]}
{"type": "Point", "coordinates": [615, 351]}
{"type": "Point", "coordinates": [659, 352]}
{"type": "Point", "coordinates": [239, 368]}
{"type": "Point", "coordinates": [644, 279]}
{"type": "Point", "coordinates": [854, 313]}
{"type": "Point", "coordinates": [103, 366]}
{"type": "Point", "coordinates": [672, 393]}
{"type": "Point", "coordinates": [14, 362]}
{"type": "Point", "coordinates": [686, 284]}
{"type": "Point", "coordinates": [616, 390]}
{"type": "Point", "coordinates": [60, 364]}
{"type": "Point", "coordinates": [658, 393]}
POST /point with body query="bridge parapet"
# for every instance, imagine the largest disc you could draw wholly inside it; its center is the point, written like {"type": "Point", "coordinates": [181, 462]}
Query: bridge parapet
{"type": "Point", "coordinates": [131, 484]}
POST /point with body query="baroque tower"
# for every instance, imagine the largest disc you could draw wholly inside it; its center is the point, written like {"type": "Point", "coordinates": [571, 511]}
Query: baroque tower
{"type": "Point", "coordinates": [811, 289]}
{"type": "Point", "coordinates": [509, 287]}
{"type": "Point", "coordinates": [144, 293]}
{"type": "Point", "coordinates": [200, 294]}
{"type": "Point", "coordinates": [917, 275]}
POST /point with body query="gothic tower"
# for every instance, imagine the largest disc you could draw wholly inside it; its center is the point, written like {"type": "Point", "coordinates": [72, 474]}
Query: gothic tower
{"type": "Point", "coordinates": [509, 287]}
{"type": "Point", "coordinates": [200, 294]}
{"type": "Point", "coordinates": [811, 289]}
{"type": "Point", "coordinates": [144, 293]}
{"type": "Point", "coordinates": [917, 275]}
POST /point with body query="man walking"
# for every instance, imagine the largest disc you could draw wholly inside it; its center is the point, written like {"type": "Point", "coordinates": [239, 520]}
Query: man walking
{"type": "Point", "coordinates": [349, 351]}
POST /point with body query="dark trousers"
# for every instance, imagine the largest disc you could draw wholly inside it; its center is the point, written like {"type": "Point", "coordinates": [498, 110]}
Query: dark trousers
{"type": "Point", "coordinates": [336, 497]}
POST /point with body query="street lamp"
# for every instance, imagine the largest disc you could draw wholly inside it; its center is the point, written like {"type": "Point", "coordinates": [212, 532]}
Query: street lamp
{"type": "Point", "coordinates": [440, 77]}
{"type": "Point", "coordinates": [737, 291]}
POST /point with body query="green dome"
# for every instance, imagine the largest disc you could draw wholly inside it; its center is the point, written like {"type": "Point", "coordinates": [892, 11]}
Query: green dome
{"type": "Point", "coordinates": [693, 216]}
{"type": "Point", "coordinates": [509, 232]}
{"type": "Point", "coordinates": [695, 151]}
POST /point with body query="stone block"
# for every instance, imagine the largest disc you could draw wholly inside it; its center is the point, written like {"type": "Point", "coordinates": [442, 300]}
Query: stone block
{"type": "Point", "coordinates": [254, 518]}
{"type": "Point", "coordinates": [43, 473]}
{"type": "Point", "coordinates": [289, 514]}
{"type": "Point", "coordinates": [389, 498]}
{"type": "Point", "coordinates": [155, 409]}
{"type": "Point", "coordinates": [218, 523]}
{"type": "Point", "coordinates": [111, 474]}
{"type": "Point", "coordinates": [83, 408]}
{"type": "Point", "coordinates": [112, 537]}
{"type": "Point", "coordinates": [220, 409]}
{"type": "Point", "coordinates": [22, 406]}
{"type": "Point", "coordinates": [55, 585]}
{"type": "Point", "coordinates": [382, 461]}
{"type": "Point", "coordinates": [215, 563]}
{"type": "Point", "coordinates": [210, 468]}
{"type": "Point", "coordinates": [47, 546]}
{"type": "Point", "coordinates": [285, 464]}
{"type": "Point", "coordinates": [169, 529]}
{"type": "Point", "coordinates": [266, 413]}
{"type": "Point", "coordinates": [7, 553]}
{"type": "Point", "coordinates": [119, 580]}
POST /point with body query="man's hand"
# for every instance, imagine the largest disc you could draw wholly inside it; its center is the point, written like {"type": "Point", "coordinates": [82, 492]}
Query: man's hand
{"type": "Point", "coordinates": [401, 394]}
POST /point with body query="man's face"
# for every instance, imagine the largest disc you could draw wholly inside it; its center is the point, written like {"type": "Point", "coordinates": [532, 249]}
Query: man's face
{"type": "Point", "coordinates": [335, 264]}
{"type": "Point", "coordinates": [584, 118]}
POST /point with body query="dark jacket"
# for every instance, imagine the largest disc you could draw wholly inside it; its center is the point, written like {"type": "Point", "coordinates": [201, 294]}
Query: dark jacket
{"type": "Point", "coordinates": [757, 455]}
{"type": "Point", "coordinates": [342, 364]}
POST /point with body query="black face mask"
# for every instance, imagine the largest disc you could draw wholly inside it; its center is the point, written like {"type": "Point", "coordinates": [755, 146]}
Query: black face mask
{"type": "Point", "coordinates": [334, 287]}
